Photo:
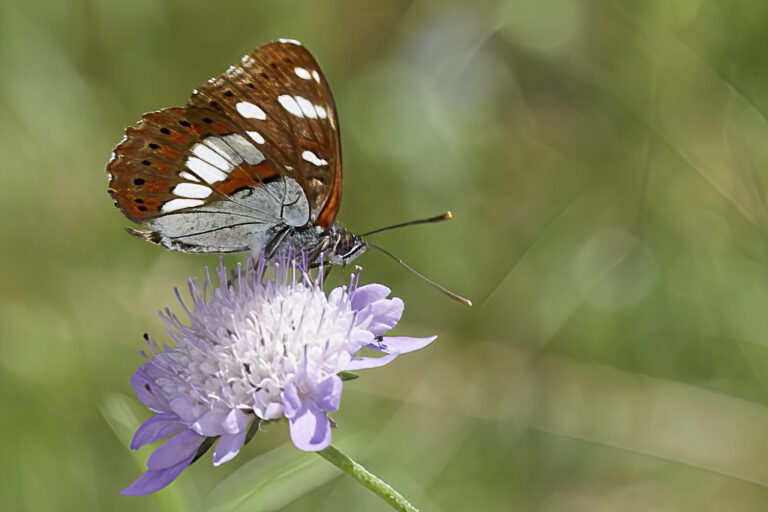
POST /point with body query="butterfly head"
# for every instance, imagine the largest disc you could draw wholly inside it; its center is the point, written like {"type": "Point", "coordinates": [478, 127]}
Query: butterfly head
{"type": "Point", "coordinates": [346, 246]}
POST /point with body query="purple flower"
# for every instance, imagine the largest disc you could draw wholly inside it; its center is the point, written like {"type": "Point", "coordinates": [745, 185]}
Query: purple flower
{"type": "Point", "coordinates": [258, 349]}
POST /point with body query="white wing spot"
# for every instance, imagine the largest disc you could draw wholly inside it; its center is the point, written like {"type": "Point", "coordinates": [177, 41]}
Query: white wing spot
{"type": "Point", "coordinates": [221, 147]}
{"type": "Point", "coordinates": [188, 176]}
{"type": "Point", "coordinates": [250, 111]}
{"type": "Point", "coordinates": [302, 73]}
{"type": "Point", "coordinates": [312, 158]}
{"type": "Point", "coordinates": [244, 148]}
{"type": "Point", "coordinates": [206, 171]}
{"type": "Point", "coordinates": [307, 107]}
{"type": "Point", "coordinates": [321, 113]}
{"type": "Point", "coordinates": [256, 136]}
{"type": "Point", "coordinates": [290, 105]}
{"type": "Point", "coordinates": [203, 152]}
{"type": "Point", "coordinates": [192, 190]}
{"type": "Point", "coordinates": [178, 204]}
{"type": "Point", "coordinates": [292, 41]}
{"type": "Point", "coordinates": [316, 76]}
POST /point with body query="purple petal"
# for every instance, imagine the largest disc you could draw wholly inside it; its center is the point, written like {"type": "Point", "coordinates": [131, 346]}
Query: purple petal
{"type": "Point", "coordinates": [367, 294]}
{"type": "Point", "coordinates": [236, 422]}
{"type": "Point", "coordinates": [156, 427]}
{"type": "Point", "coordinates": [272, 411]}
{"type": "Point", "coordinates": [210, 424]}
{"type": "Point", "coordinates": [386, 313]}
{"type": "Point", "coordinates": [184, 407]}
{"type": "Point", "coordinates": [143, 389]}
{"type": "Point", "coordinates": [361, 337]}
{"type": "Point", "coordinates": [155, 479]}
{"type": "Point", "coordinates": [310, 429]}
{"type": "Point", "coordinates": [178, 448]}
{"type": "Point", "coordinates": [329, 393]}
{"type": "Point", "coordinates": [404, 344]}
{"type": "Point", "coordinates": [228, 446]}
{"type": "Point", "coordinates": [363, 363]}
{"type": "Point", "coordinates": [336, 295]}
{"type": "Point", "coordinates": [291, 400]}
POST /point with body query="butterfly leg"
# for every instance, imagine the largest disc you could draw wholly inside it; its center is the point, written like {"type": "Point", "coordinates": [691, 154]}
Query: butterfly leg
{"type": "Point", "coordinates": [326, 270]}
{"type": "Point", "coordinates": [270, 249]}
{"type": "Point", "coordinates": [322, 273]}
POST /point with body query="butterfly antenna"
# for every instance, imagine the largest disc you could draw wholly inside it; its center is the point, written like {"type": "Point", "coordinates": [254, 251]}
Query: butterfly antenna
{"type": "Point", "coordinates": [439, 218]}
{"type": "Point", "coordinates": [446, 291]}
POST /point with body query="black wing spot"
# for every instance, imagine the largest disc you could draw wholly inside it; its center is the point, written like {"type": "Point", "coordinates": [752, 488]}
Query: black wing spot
{"type": "Point", "coordinates": [146, 162]}
{"type": "Point", "coordinates": [273, 64]}
{"type": "Point", "coordinates": [228, 94]}
{"type": "Point", "coordinates": [264, 76]}
{"type": "Point", "coordinates": [152, 145]}
{"type": "Point", "coordinates": [138, 200]}
{"type": "Point", "coordinates": [214, 104]}
{"type": "Point", "coordinates": [185, 124]}
{"type": "Point", "coordinates": [138, 182]}
{"type": "Point", "coordinates": [207, 120]}
{"type": "Point", "coordinates": [249, 84]}
{"type": "Point", "coordinates": [142, 208]}
{"type": "Point", "coordinates": [165, 131]}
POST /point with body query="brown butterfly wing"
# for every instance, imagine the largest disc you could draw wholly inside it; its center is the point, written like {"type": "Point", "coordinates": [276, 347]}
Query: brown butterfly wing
{"type": "Point", "coordinates": [280, 98]}
{"type": "Point", "coordinates": [166, 149]}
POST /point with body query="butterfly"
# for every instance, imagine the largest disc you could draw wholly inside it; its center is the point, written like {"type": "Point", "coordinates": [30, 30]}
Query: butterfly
{"type": "Point", "coordinates": [253, 161]}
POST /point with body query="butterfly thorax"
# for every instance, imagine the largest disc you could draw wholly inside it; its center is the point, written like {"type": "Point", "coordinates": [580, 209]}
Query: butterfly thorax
{"type": "Point", "coordinates": [335, 245]}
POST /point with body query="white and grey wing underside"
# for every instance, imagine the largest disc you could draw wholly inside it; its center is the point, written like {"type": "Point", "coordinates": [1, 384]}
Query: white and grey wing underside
{"type": "Point", "coordinates": [238, 223]}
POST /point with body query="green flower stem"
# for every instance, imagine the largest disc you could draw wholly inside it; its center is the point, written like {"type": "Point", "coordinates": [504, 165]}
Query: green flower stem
{"type": "Point", "coordinates": [365, 477]}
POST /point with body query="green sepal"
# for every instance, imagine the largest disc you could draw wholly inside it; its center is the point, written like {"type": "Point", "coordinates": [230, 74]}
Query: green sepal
{"type": "Point", "coordinates": [345, 376]}
{"type": "Point", "coordinates": [252, 430]}
{"type": "Point", "coordinates": [204, 447]}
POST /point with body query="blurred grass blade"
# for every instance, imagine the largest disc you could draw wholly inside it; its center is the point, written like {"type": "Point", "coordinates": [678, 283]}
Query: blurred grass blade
{"type": "Point", "coordinates": [117, 411]}
{"type": "Point", "coordinates": [276, 478]}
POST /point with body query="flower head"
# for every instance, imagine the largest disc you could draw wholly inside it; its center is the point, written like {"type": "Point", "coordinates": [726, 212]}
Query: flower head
{"type": "Point", "coordinates": [258, 349]}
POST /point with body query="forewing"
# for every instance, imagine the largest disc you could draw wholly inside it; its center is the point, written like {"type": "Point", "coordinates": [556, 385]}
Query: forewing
{"type": "Point", "coordinates": [199, 182]}
{"type": "Point", "coordinates": [279, 97]}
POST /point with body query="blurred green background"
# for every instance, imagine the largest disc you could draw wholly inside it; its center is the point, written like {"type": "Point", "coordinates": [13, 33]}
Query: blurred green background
{"type": "Point", "coordinates": [607, 166]}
